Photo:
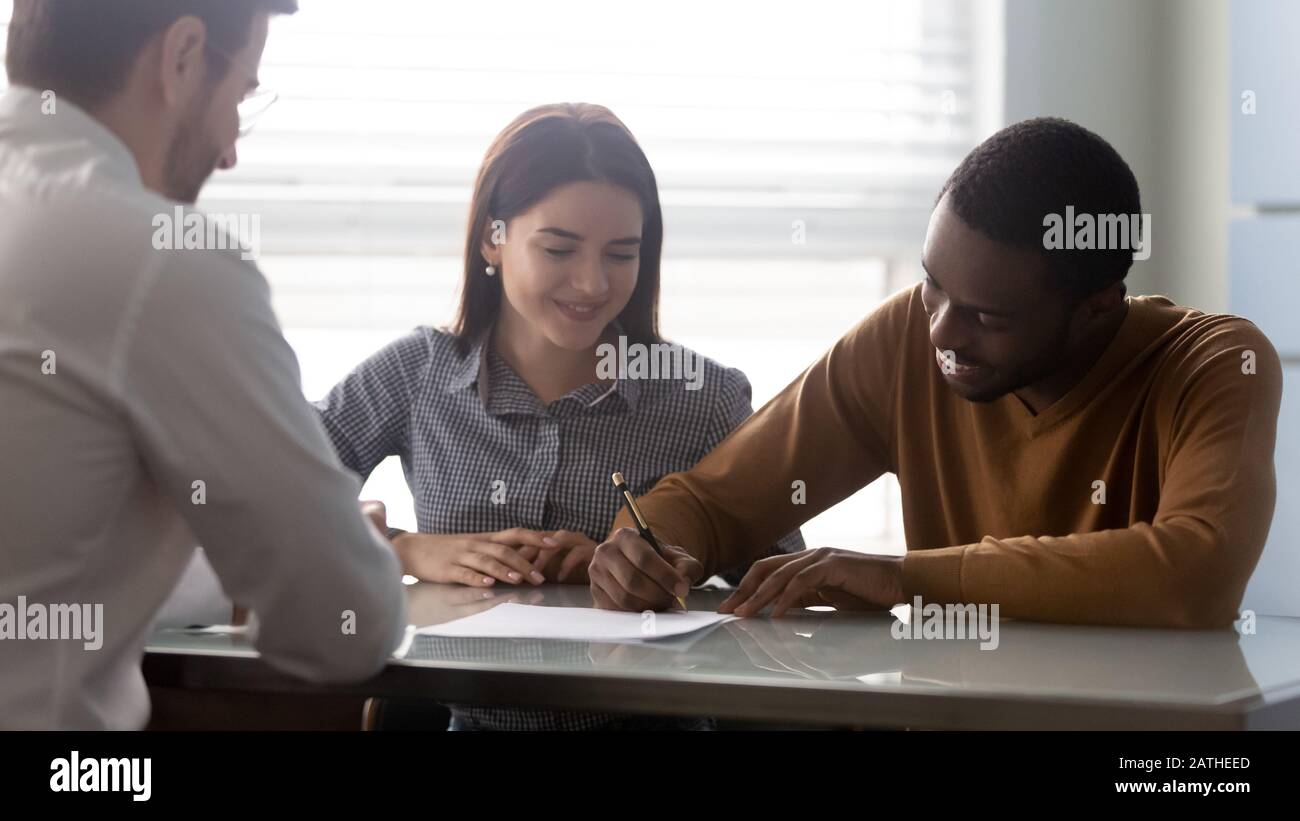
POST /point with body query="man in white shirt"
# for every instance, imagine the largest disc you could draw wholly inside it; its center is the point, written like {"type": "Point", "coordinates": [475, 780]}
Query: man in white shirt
{"type": "Point", "coordinates": [148, 400]}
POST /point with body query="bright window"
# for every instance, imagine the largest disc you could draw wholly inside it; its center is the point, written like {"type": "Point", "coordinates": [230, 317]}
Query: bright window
{"type": "Point", "coordinates": [837, 120]}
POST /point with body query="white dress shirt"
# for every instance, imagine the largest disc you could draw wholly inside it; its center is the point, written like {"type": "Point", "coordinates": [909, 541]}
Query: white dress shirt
{"type": "Point", "coordinates": [128, 375]}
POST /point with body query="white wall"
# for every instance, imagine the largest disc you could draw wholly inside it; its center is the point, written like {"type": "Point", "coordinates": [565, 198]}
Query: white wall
{"type": "Point", "coordinates": [1150, 76]}
{"type": "Point", "coordinates": [1153, 77]}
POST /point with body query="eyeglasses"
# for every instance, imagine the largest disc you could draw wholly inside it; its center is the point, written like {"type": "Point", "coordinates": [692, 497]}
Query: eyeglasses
{"type": "Point", "coordinates": [253, 107]}
{"type": "Point", "coordinates": [256, 103]}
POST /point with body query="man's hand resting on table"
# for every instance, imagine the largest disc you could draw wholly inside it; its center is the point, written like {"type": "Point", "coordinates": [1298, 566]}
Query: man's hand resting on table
{"type": "Point", "coordinates": [844, 579]}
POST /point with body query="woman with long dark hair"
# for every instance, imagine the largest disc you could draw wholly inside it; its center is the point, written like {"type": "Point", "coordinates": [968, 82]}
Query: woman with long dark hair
{"type": "Point", "coordinates": [510, 423]}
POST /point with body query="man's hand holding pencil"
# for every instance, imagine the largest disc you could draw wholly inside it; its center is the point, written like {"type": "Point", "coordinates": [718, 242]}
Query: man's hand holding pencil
{"type": "Point", "coordinates": [628, 574]}
{"type": "Point", "coordinates": [635, 571]}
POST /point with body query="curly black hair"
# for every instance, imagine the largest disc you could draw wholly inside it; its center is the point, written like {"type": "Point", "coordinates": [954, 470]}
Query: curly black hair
{"type": "Point", "coordinates": [1008, 185]}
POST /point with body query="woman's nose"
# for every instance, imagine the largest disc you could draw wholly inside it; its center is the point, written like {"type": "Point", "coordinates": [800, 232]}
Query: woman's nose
{"type": "Point", "coordinates": [590, 279]}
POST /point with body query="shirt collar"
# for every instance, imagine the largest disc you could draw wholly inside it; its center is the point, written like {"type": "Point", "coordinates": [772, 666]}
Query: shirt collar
{"type": "Point", "coordinates": [476, 370]}
{"type": "Point", "coordinates": [473, 364]}
{"type": "Point", "coordinates": [65, 138]}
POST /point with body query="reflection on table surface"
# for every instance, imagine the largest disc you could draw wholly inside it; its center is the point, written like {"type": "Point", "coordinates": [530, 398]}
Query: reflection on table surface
{"type": "Point", "coordinates": [857, 650]}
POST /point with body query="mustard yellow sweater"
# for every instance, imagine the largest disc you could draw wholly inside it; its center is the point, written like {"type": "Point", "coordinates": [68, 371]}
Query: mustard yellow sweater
{"type": "Point", "coordinates": [1177, 418]}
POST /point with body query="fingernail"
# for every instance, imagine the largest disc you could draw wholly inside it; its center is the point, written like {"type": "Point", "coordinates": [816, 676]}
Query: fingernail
{"type": "Point", "coordinates": [488, 579]}
{"type": "Point", "coordinates": [549, 542]}
{"type": "Point", "coordinates": [682, 589]}
{"type": "Point", "coordinates": [537, 577]}
{"type": "Point", "coordinates": [514, 577]}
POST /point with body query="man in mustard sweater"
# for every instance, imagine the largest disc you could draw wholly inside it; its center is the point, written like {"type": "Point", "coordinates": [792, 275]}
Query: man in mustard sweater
{"type": "Point", "coordinates": [1063, 450]}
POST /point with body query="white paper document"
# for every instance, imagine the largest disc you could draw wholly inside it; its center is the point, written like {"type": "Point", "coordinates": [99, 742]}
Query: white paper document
{"type": "Point", "coordinates": [526, 621]}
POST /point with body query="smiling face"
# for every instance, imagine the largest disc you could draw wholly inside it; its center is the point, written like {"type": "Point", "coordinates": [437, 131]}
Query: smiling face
{"type": "Point", "coordinates": [991, 305]}
{"type": "Point", "coordinates": [569, 264]}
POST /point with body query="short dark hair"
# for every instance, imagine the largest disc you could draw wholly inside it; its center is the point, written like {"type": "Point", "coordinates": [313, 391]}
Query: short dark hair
{"type": "Point", "coordinates": [542, 149]}
{"type": "Point", "coordinates": [83, 50]}
{"type": "Point", "coordinates": [1013, 180]}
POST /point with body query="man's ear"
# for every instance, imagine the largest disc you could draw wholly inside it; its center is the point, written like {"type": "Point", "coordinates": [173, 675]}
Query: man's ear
{"type": "Point", "coordinates": [1104, 301]}
{"type": "Point", "coordinates": [183, 61]}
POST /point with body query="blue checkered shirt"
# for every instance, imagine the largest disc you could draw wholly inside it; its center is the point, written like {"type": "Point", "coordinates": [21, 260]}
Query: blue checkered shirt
{"type": "Point", "coordinates": [482, 453]}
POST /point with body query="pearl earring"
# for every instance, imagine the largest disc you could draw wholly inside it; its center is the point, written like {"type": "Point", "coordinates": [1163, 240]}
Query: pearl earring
{"type": "Point", "coordinates": [491, 270]}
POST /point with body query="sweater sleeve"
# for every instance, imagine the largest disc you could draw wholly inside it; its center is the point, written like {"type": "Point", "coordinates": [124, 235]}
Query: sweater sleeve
{"type": "Point", "coordinates": [1189, 566]}
{"type": "Point", "coordinates": [773, 472]}
{"type": "Point", "coordinates": [733, 408]}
